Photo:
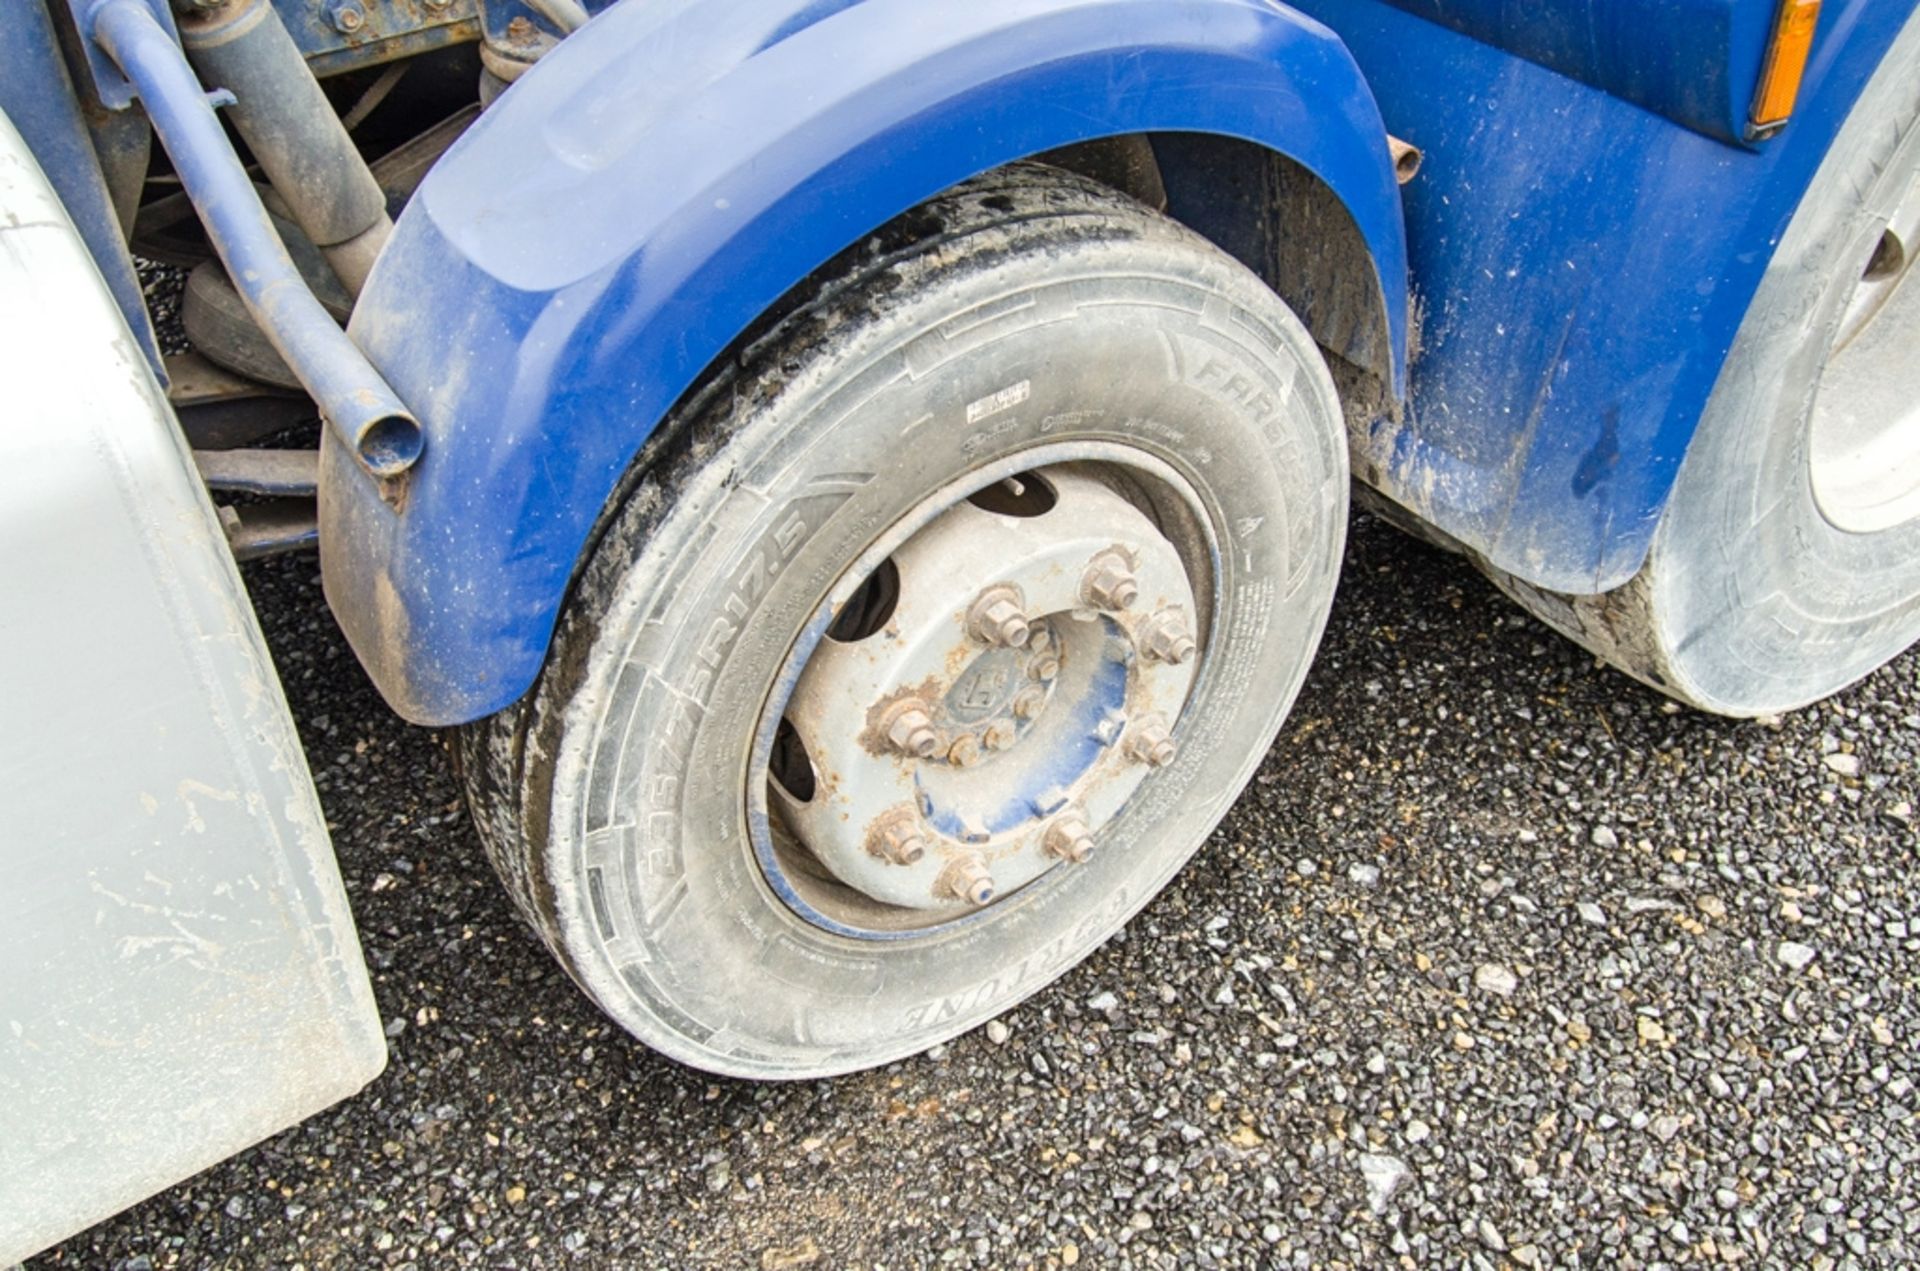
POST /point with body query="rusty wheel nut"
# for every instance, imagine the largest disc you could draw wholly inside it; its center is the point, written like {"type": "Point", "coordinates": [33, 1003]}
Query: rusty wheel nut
{"type": "Point", "coordinates": [999, 735]}
{"type": "Point", "coordinates": [897, 839]}
{"type": "Point", "coordinates": [1152, 744]}
{"type": "Point", "coordinates": [1028, 701]}
{"type": "Point", "coordinates": [996, 618]}
{"type": "Point", "coordinates": [910, 729]}
{"type": "Point", "coordinates": [967, 879]}
{"type": "Point", "coordinates": [1040, 639]}
{"type": "Point", "coordinates": [1108, 582]}
{"type": "Point", "coordinates": [1044, 667]}
{"type": "Point", "coordinates": [1164, 637]}
{"type": "Point", "coordinates": [965, 751]}
{"type": "Point", "coordinates": [1069, 839]}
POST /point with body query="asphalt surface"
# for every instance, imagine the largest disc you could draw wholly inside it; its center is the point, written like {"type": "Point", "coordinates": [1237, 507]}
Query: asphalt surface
{"type": "Point", "coordinates": [1501, 960]}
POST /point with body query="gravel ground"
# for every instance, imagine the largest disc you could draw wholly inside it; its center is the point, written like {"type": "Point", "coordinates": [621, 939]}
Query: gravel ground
{"type": "Point", "coordinates": [1501, 960]}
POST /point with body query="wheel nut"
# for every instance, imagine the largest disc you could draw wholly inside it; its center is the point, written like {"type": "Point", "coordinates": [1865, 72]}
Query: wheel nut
{"type": "Point", "coordinates": [1028, 701]}
{"type": "Point", "coordinates": [967, 879]}
{"type": "Point", "coordinates": [1044, 667]}
{"type": "Point", "coordinates": [965, 751]}
{"type": "Point", "coordinates": [1069, 839]}
{"type": "Point", "coordinates": [897, 838]}
{"type": "Point", "coordinates": [1040, 639]}
{"type": "Point", "coordinates": [1164, 637]}
{"type": "Point", "coordinates": [910, 729]}
{"type": "Point", "coordinates": [999, 735]}
{"type": "Point", "coordinates": [1152, 744]}
{"type": "Point", "coordinates": [1108, 582]}
{"type": "Point", "coordinates": [996, 618]}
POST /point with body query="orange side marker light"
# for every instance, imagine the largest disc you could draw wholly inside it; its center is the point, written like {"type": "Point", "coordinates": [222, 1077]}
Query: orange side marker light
{"type": "Point", "coordinates": [1785, 62]}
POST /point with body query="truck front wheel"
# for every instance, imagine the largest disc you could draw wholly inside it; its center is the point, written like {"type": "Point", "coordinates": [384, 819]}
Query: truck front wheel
{"type": "Point", "coordinates": [940, 626]}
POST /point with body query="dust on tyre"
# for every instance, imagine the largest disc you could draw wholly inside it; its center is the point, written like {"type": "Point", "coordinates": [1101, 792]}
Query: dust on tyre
{"type": "Point", "coordinates": [952, 617]}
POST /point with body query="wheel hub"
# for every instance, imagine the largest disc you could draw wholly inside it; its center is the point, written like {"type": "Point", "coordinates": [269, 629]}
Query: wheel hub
{"type": "Point", "coordinates": [1026, 680]}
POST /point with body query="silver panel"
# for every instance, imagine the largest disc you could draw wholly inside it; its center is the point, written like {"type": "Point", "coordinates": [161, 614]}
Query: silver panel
{"type": "Point", "coordinates": [179, 974]}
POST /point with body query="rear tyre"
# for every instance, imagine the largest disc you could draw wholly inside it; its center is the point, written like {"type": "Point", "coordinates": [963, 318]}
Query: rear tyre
{"type": "Point", "coordinates": [949, 618]}
{"type": "Point", "coordinates": [1787, 564]}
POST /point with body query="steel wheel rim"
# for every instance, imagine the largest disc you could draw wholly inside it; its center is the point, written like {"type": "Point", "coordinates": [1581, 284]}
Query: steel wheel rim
{"type": "Point", "coordinates": [804, 879]}
{"type": "Point", "coordinates": [1865, 427]}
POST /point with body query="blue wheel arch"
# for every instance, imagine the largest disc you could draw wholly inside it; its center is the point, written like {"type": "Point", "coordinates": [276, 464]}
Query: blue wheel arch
{"type": "Point", "coordinates": [648, 190]}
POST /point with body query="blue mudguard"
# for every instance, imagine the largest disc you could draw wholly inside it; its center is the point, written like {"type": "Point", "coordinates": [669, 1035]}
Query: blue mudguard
{"type": "Point", "coordinates": [650, 188]}
{"type": "Point", "coordinates": [1582, 263]}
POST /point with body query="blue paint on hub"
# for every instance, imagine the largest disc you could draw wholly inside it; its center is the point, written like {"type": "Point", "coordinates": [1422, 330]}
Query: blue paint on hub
{"type": "Point", "coordinates": [1050, 757]}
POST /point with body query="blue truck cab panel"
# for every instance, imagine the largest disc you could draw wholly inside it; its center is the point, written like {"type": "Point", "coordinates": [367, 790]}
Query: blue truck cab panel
{"type": "Point", "coordinates": [661, 179]}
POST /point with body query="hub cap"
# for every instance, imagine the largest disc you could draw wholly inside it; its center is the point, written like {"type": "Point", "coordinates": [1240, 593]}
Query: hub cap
{"type": "Point", "coordinates": [990, 698]}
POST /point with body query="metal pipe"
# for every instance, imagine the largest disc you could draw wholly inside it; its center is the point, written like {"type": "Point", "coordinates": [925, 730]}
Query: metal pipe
{"type": "Point", "coordinates": [1406, 159]}
{"type": "Point", "coordinates": [355, 401]}
{"type": "Point", "coordinates": [288, 123]}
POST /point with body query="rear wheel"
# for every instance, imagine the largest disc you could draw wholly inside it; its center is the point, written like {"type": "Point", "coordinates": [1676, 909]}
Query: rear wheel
{"type": "Point", "coordinates": [947, 624]}
{"type": "Point", "coordinates": [1787, 564]}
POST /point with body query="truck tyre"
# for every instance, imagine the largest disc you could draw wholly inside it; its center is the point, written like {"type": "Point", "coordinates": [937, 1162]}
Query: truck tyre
{"type": "Point", "coordinates": [936, 629]}
{"type": "Point", "coordinates": [1787, 563]}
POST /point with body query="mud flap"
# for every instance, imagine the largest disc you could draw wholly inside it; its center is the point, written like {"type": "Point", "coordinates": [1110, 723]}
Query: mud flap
{"type": "Point", "coordinates": [179, 973]}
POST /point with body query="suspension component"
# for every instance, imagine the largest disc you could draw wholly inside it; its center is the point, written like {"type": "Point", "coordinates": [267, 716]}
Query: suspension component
{"type": "Point", "coordinates": [291, 128]}
{"type": "Point", "coordinates": [355, 401]}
